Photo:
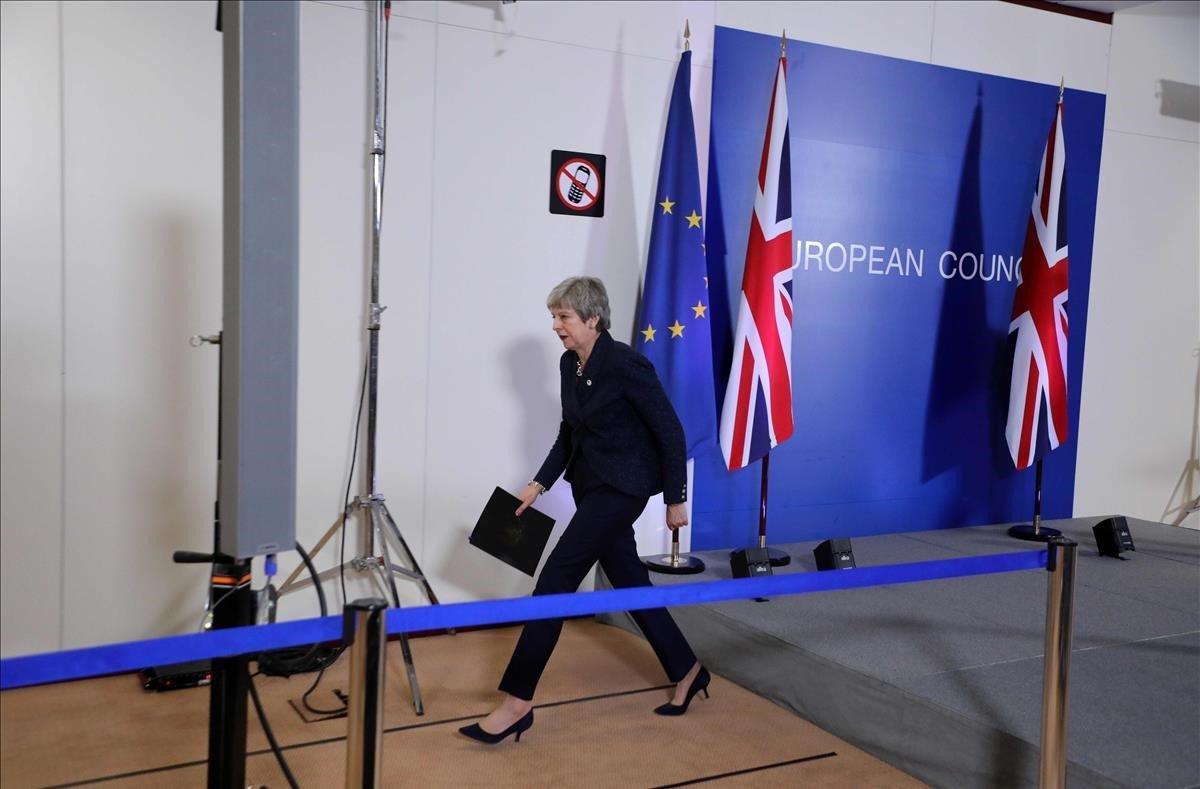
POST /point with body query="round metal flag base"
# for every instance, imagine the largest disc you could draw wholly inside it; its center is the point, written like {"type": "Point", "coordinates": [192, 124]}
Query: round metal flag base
{"type": "Point", "coordinates": [1025, 531]}
{"type": "Point", "coordinates": [674, 565]}
{"type": "Point", "coordinates": [777, 557]}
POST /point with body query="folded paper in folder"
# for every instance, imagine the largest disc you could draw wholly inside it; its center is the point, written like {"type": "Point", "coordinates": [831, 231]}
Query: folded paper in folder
{"type": "Point", "coordinates": [518, 542]}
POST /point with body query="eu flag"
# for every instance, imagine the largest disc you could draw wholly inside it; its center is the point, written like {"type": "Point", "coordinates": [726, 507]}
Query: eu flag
{"type": "Point", "coordinates": [673, 319]}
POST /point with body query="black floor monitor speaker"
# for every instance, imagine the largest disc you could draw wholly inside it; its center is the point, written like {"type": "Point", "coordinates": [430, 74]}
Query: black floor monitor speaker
{"type": "Point", "coordinates": [834, 555]}
{"type": "Point", "coordinates": [750, 562]}
{"type": "Point", "coordinates": [1113, 537]}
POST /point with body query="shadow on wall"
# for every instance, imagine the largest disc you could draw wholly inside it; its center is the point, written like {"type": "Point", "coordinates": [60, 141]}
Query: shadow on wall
{"type": "Point", "coordinates": [533, 382]}
{"type": "Point", "coordinates": [176, 503]}
{"type": "Point", "coordinates": [715, 257]}
{"type": "Point", "coordinates": [961, 419]}
{"type": "Point", "coordinates": [613, 249]}
{"type": "Point", "coordinates": [1179, 100]}
{"type": "Point", "coordinates": [504, 20]}
{"type": "Point", "coordinates": [533, 379]}
{"type": "Point", "coordinates": [495, 6]}
{"type": "Point", "coordinates": [1184, 500]}
{"type": "Point", "coordinates": [649, 209]}
{"type": "Point", "coordinates": [1176, 99]}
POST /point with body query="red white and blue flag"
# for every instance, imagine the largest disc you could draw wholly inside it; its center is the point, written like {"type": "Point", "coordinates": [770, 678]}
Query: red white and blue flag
{"type": "Point", "coordinates": [1037, 400]}
{"type": "Point", "coordinates": [757, 412]}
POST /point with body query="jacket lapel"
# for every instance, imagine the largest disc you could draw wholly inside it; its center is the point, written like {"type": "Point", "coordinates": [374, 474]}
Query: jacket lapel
{"type": "Point", "coordinates": [595, 375]}
{"type": "Point", "coordinates": [570, 398]}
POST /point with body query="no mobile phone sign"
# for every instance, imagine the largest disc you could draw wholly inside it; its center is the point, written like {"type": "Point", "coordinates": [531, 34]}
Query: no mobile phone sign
{"type": "Point", "coordinates": [577, 183]}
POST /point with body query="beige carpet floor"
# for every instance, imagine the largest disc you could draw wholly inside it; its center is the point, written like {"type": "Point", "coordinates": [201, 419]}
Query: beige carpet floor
{"type": "Point", "coordinates": [594, 727]}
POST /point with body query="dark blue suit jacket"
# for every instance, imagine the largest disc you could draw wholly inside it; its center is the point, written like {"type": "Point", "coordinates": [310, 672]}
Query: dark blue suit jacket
{"type": "Point", "coordinates": [619, 417]}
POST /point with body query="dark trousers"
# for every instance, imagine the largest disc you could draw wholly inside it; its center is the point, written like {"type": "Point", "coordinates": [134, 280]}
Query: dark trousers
{"type": "Point", "coordinates": [602, 530]}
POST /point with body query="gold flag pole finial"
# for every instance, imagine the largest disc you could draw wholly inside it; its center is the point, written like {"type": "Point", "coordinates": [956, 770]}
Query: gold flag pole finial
{"type": "Point", "coordinates": [687, 36]}
{"type": "Point", "coordinates": [1062, 82]}
{"type": "Point", "coordinates": [783, 44]}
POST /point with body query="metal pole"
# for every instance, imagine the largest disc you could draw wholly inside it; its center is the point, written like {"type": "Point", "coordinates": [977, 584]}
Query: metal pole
{"type": "Point", "coordinates": [378, 150]}
{"type": "Point", "coordinates": [762, 506]}
{"type": "Point", "coordinates": [1035, 531]}
{"type": "Point", "coordinates": [365, 626]}
{"type": "Point", "coordinates": [1037, 498]}
{"type": "Point", "coordinates": [230, 680]}
{"type": "Point", "coordinates": [1060, 605]}
{"type": "Point", "coordinates": [217, 499]}
{"type": "Point", "coordinates": [674, 562]}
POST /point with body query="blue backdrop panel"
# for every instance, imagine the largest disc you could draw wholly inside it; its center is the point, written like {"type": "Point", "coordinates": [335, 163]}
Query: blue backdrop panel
{"type": "Point", "coordinates": [900, 366]}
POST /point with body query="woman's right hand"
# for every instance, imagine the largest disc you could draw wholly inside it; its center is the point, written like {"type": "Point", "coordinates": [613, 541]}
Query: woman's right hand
{"type": "Point", "coordinates": [529, 496]}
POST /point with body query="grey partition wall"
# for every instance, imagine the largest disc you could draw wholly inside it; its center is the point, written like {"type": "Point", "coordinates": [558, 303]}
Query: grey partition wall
{"type": "Point", "coordinates": [257, 479]}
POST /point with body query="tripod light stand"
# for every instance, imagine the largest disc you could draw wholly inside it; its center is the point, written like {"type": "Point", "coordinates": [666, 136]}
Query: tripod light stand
{"type": "Point", "coordinates": [381, 527]}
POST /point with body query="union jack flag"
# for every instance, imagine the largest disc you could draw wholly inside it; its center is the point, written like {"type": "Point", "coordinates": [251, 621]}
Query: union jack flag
{"type": "Point", "coordinates": [757, 412]}
{"type": "Point", "coordinates": [1037, 399]}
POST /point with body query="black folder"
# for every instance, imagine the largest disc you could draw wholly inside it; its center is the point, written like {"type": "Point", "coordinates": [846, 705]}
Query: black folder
{"type": "Point", "coordinates": [515, 541]}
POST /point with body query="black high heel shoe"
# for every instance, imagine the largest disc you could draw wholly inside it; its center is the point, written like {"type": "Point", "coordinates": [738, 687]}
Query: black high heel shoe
{"type": "Point", "coordinates": [476, 732]}
{"type": "Point", "coordinates": [700, 683]}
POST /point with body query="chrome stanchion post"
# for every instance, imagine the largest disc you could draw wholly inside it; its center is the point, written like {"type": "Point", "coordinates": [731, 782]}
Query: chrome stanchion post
{"type": "Point", "coordinates": [365, 629]}
{"type": "Point", "coordinates": [1060, 606]}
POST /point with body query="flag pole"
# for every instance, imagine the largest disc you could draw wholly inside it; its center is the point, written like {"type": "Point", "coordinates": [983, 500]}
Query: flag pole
{"type": "Point", "coordinates": [760, 265]}
{"type": "Point", "coordinates": [674, 563]}
{"type": "Point", "coordinates": [778, 558]}
{"type": "Point", "coordinates": [1035, 531]}
{"type": "Point", "coordinates": [762, 502]}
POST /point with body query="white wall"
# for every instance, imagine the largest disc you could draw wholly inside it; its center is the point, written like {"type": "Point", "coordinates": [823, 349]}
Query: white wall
{"type": "Point", "coordinates": [141, 273]}
{"type": "Point", "coordinates": [1141, 374]}
{"type": "Point", "coordinates": [100, 388]}
{"type": "Point", "coordinates": [31, 340]}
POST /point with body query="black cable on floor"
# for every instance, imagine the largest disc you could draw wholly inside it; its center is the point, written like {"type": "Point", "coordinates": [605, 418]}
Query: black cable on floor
{"type": "Point", "coordinates": [309, 692]}
{"type": "Point", "coordinates": [285, 662]}
{"type": "Point", "coordinates": [262, 718]}
{"type": "Point", "coordinates": [362, 394]}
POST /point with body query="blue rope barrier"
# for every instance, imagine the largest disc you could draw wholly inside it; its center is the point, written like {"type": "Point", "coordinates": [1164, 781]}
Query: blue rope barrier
{"type": "Point", "coordinates": [74, 664]}
{"type": "Point", "coordinates": [523, 609]}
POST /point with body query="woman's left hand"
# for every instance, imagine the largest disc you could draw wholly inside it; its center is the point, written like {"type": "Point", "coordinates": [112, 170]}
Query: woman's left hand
{"type": "Point", "coordinates": [676, 516]}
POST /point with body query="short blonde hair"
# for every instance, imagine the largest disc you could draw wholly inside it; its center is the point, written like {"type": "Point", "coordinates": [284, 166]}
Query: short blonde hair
{"type": "Point", "coordinates": [585, 295]}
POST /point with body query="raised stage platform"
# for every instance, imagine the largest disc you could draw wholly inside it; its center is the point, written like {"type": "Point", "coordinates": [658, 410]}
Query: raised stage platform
{"type": "Point", "coordinates": [943, 679]}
